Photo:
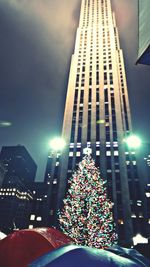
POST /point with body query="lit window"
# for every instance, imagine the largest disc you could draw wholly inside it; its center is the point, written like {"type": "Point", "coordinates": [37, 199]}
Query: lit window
{"type": "Point", "coordinates": [78, 145]}
{"type": "Point", "coordinates": [97, 153]}
{"type": "Point", "coordinates": [71, 154]}
{"type": "Point", "coordinates": [78, 154]}
{"type": "Point", "coordinates": [71, 145]}
{"type": "Point", "coordinates": [88, 143]}
{"type": "Point", "coordinates": [107, 145]}
{"type": "Point", "coordinates": [30, 226]}
{"type": "Point", "coordinates": [116, 153]}
{"type": "Point", "coordinates": [54, 181]}
{"type": "Point", "coordinates": [32, 217]}
{"type": "Point", "coordinates": [57, 163]}
{"type": "Point", "coordinates": [115, 144]}
{"type": "Point", "coordinates": [108, 153]}
{"type": "Point", "coordinates": [39, 219]}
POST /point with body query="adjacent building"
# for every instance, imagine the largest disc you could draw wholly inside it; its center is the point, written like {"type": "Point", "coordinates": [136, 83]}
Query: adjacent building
{"type": "Point", "coordinates": [144, 32]}
{"type": "Point", "coordinates": [18, 162]}
{"type": "Point", "coordinates": [97, 115]}
{"type": "Point", "coordinates": [39, 211]}
{"type": "Point", "coordinates": [144, 162]}
{"type": "Point", "coordinates": [16, 189]}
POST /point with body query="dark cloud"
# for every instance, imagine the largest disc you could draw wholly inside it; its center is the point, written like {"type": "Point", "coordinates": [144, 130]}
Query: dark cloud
{"type": "Point", "coordinates": [36, 43]}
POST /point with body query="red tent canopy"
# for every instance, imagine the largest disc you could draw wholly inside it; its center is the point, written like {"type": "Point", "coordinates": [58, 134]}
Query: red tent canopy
{"type": "Point", "coordinates": [22, 247]}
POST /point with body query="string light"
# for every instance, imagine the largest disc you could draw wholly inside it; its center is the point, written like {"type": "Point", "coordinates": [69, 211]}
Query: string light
{"type": "Point", "coordinates": [87, 216]}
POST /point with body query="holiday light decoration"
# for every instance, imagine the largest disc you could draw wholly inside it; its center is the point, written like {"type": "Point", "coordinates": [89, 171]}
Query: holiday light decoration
{"type": "Point", "coordinates": [86, 216]}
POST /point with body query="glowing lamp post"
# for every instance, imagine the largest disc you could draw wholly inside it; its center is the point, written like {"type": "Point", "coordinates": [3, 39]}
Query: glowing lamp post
{"type": "Point", "coordinates": [57, 144]}
{"type": "Point", "coordinates": [133, 141]}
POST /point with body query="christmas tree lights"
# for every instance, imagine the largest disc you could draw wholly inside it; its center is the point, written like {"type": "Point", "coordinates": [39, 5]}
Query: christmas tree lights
{"type": "Point", "coordinates": [86, 216]}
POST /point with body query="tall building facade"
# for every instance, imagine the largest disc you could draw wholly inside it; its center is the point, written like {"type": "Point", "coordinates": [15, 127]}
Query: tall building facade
{"type": "Point", "coordinates": [97, 115]}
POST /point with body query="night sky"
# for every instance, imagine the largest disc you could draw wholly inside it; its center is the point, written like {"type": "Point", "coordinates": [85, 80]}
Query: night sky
{"type": "Point", "coordinates": [36, 42]}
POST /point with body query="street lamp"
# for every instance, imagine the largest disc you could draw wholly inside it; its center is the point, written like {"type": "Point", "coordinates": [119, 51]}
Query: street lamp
{"type": "Point", "coordinates": [133, 141]}
{"type": "Point", "coordinates": [57, 144]}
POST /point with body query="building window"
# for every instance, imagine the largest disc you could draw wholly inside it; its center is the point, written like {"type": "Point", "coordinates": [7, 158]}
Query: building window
{"type": "Point", "coordinates": [39, 219]}
{"type": "Point", "coordinates": [79, 132]}
{"type": "Point", "coordinates": [90, 81]}
{"type": "Point", "coordinates": [90, 95]}
{"type": "Point", "coordinates": [71, 154]}
{"type": "Point", "coordinates": [82, 97]}
{"type": "Point", "coordinates": [78, 154]}
{"type": "Point", "coordinates": [32, 217]}
{"type": "Point", "coordinates": [106, 110]}
{"type": "Point", "coordinates": [108, 153]}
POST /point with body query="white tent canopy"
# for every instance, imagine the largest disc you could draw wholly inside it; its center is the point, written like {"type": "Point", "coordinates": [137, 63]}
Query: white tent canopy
{"type": "Point", "coordinates": [2, 235]}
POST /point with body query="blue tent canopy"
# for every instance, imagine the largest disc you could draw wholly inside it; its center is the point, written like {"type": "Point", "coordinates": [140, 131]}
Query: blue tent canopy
{"type": "Point", "coordinates": [79, 256]}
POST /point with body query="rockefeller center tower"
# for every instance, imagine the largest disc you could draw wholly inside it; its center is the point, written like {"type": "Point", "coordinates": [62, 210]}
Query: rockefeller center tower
{"type": "Point", "coordinates": [97, 115]}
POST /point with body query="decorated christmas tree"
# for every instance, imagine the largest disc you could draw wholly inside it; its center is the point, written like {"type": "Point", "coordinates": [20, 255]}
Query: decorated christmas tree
{"type": "Point", "coordinates": [86, 216]}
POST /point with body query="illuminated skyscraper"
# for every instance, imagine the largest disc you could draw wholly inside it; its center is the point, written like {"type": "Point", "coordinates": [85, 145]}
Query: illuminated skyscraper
{"type": "Point", "coordinates": [97, 115]}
